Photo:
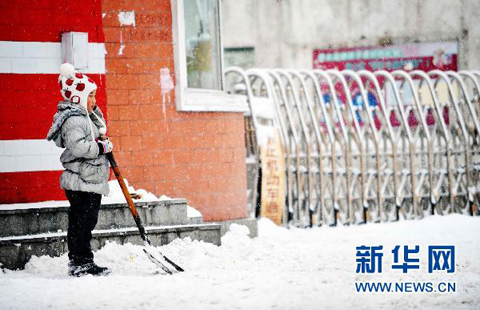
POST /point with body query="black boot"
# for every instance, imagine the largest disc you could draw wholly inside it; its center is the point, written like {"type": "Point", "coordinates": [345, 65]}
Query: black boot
{"type": "Point", "coordinates": [75, 270]}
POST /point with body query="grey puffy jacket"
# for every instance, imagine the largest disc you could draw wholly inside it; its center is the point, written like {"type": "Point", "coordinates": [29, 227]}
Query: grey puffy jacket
{"type": "Point", "coordinates": [85, 169]}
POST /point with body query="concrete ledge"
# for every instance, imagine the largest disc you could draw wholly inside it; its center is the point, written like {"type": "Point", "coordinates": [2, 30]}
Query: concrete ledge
{"type": "Point", "coordinates": [195, 220]}
{"type": "Point", "coordinates": [28, 221]}
{"type": "Point", "coordinates": [11, 209]}
{"type": "Point", "coordinates": [16, 251]}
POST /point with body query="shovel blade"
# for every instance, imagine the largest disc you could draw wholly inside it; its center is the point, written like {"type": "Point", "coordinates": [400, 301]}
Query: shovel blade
{"type": "Point", "coordinates": [157, 262]}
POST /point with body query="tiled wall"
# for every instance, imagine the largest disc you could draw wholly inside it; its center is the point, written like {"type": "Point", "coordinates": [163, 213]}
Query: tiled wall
{"type": "Point", "coordinates": [197, 156]}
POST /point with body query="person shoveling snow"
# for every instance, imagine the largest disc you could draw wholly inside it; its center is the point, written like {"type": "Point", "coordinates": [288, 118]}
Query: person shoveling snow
{"type": "Point", "coordinates": [77, 127]}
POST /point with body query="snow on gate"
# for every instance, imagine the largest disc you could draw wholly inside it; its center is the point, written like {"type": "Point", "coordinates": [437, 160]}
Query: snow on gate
{"type": "Point", "coordinates": [370, 146]}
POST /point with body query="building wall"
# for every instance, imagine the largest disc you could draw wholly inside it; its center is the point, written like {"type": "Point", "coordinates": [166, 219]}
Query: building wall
{"type": "Point", "coordinates": [285, 33]}
{"type": "Point", "coordinates": [197, 156]}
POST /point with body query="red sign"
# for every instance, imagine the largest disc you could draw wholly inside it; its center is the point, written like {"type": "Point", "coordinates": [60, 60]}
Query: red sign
{"type": "Point", "coordinates": [415, 56]}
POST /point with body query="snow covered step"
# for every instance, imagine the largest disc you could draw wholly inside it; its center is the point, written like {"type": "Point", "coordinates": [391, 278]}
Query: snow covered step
{"type": "Point", "coordinates": [194, 217]}
{"type": "Point", "coordinates": [37, 218]}
{"type": "Point", "coordinates": [16, 251]}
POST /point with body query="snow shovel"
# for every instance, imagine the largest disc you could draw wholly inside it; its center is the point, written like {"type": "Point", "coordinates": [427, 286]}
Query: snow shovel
{"type": "Point", "coordinates": [148, 248]}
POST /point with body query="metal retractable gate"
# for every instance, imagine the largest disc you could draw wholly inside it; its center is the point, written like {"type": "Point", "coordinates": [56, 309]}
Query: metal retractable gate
{"type": "Point", "coordinates": [367, 146]}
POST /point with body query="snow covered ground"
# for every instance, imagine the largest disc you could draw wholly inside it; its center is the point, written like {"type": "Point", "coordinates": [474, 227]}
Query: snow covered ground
{"type": "Point", "coordinates": [281, 269]}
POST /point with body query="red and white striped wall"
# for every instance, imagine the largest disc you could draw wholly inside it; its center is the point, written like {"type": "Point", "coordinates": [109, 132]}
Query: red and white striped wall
{"type": "Point", "coordinates": [29, 66]}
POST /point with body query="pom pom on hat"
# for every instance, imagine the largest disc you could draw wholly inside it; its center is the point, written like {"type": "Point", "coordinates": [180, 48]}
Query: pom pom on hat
{"type": "Point", "coordinates": [102, 130]}
{"type": "Point", "coordinates": [74, 86]}
{"type": "Point", "coordinates": [67, 70]}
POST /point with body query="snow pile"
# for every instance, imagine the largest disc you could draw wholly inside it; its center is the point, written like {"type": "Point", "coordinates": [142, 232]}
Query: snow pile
{"type": "Point", "coordinates": [236, 237]}
{"type": "Point", "coordinates": [146, 196]}
{"type": "Point", "coordinates": [269, 229]}
{"type": "Point", "coordinates": [281, 269]}
{"type": "Point", "coordinates": [164, 197]}
{"type": "Point", "coordinates": [192, 212]}
{"type": "Point", "coordinates": [116, 194]}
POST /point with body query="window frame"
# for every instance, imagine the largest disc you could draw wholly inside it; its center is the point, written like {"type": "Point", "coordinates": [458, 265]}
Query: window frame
{"type": "Point", "coordinates": [198, 99]}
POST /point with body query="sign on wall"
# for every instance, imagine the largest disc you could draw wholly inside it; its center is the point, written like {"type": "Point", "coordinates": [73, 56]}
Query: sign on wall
{"type": "Point", "coordinates": [413, 56]}
{"type": "Point", "coordinates": [273, 178]}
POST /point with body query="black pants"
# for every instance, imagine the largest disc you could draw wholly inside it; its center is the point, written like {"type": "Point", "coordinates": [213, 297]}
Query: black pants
{"type": "Point", "coordinates": [82, 218]}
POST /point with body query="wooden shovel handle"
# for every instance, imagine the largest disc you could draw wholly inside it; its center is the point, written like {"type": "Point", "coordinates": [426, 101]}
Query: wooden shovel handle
{"type": "Point", "coordinates": [126, 193]}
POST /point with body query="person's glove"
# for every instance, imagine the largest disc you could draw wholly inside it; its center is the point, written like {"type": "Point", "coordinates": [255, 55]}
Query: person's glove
{"type": "Point", "coordinates": [105, 146]}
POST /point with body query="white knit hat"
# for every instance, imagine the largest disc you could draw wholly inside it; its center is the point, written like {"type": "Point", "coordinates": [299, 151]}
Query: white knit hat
{"type": "Point", "coordinates": [74, 86]}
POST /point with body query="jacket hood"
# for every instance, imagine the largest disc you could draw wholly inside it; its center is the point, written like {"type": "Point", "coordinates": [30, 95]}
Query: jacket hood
{"type": "Point", "coordinates": [65, 110]}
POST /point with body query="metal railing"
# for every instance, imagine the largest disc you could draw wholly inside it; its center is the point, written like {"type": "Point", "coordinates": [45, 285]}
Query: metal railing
{"type": "Point", "coordinates": [368, 146]}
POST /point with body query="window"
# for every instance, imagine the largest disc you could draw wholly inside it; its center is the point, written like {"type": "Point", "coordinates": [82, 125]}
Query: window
{"type": "Point", "coordinates": [199, 58]}
{"type": "Point", "coordinates": [202, 44]}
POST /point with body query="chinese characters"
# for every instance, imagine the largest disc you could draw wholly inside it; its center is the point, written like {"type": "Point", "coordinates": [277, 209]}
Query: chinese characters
{"type": "Point", "coordinates": [440, 258]}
